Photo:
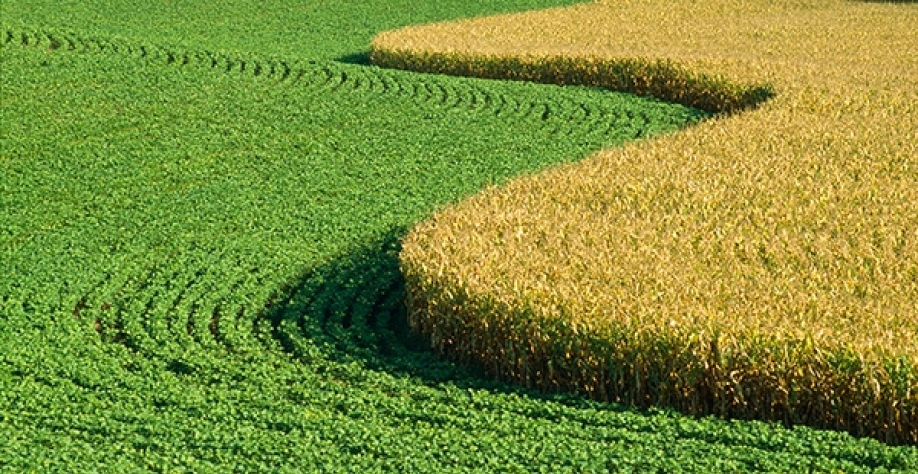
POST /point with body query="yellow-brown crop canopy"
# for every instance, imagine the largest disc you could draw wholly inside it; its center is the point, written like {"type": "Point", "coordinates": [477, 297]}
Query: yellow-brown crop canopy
{"type": "Point", "coordinates": [760, 265]}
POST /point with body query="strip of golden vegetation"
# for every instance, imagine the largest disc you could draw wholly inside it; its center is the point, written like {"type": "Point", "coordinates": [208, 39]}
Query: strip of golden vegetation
{"type": "Point", "coordinates": [761, 265]}
{"type": "Point", "coordinates": [649, 77]}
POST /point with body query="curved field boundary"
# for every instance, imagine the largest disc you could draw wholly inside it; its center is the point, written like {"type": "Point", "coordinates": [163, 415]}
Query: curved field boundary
{"type": "Point", "coordinates": [764, 265]}
{"type": "Point", "coordinates": [193, 296]}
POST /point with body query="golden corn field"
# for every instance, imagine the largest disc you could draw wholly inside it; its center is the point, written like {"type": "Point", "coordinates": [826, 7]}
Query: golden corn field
{"type": "Point", "coordinates": [763, 264]}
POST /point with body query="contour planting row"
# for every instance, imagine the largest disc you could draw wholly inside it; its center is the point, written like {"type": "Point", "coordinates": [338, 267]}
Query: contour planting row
{"type": "Point", "coordinates": [562, 114]}
{"type": "Point", "coordinates": [763, 265]}
{"type": "Point", "coordinates": [314, 29]}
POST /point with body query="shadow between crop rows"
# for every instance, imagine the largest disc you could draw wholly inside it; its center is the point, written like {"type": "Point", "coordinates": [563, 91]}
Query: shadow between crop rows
{"type": "Point", "coordinates": [353, 309]}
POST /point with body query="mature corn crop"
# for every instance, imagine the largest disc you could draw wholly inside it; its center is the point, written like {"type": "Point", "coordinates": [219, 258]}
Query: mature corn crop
{"type": "Point", "coordinates": [761, 265]}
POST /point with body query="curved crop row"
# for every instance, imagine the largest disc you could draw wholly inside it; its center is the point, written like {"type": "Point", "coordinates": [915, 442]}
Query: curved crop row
{"type": "Point", "coordinates": [763, 265]}
{"type": "Point", "coordinates": [560, 114]}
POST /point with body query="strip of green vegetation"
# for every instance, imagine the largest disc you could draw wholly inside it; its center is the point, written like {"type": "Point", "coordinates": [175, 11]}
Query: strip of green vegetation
{"type": "Point", "coordinates": [315, 29]}
{"type": "Point", "coordinates": [198, 272]}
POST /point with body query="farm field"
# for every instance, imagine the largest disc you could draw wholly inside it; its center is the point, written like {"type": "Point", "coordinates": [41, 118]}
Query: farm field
{"type": "Point", "coordinates": [200, 216]}
{"type": "Point", "coordinates": [761, 265]}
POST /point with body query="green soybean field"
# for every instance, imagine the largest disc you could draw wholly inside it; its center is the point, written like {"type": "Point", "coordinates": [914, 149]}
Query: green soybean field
{"type": "Point", "coordinates": [200, 213]}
